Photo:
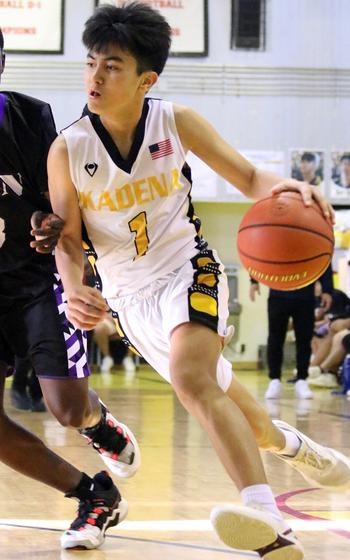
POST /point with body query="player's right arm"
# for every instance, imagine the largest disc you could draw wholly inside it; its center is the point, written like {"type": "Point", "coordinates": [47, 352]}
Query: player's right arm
{"type": "Point", "coordinates": [86, 306]}
{"type": "Point", "coordinates": [200, 137]}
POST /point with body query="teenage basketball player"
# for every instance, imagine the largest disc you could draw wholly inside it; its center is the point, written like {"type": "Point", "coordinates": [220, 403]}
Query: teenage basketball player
{"type": "Point", "coordinates": [33, 322]}
{"type": "Point", "coordinates": [121, 170]}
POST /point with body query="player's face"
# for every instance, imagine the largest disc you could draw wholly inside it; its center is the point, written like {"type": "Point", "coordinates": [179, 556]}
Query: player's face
{"type": "Point", "coordinates": [112, 81]}
{"type": "Point", "coordinates": [307, 168]}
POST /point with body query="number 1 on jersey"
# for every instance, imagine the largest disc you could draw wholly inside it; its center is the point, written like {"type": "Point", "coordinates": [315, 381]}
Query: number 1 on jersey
{"type": "Point", "coordinates": [138, 225]}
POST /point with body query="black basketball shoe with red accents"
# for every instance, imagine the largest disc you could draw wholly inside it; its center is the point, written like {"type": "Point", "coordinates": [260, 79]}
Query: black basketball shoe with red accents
{"type": "Point", "coordinates": [100, 507]}
{"type": "Point", "coordinates": [116, 444]}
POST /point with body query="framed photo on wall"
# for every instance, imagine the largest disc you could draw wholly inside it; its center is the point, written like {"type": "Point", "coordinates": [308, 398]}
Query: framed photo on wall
{"type": "Point", "coordinates": [188, 20]}
{"type": "Point", "coordinates": [340, 176]}
{"type": "Point", "coordinates": [33, 26]}
{"type": "Point", "coordinates": [308, 165]}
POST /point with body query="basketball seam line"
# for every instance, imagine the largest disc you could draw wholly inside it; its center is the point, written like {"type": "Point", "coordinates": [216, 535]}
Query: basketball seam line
{"type": "Point", "coordinates": [290, 226]}
{"type": "Point", "coordinates": [256, 259]}
{"type": "Point", "coordinates": [314, 208]}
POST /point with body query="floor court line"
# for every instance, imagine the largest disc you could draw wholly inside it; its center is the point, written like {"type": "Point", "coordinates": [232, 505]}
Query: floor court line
{"type": "Point", "coordinates": [340, 527]}
{"type": "Point", "coordinates": [173, 544]}
{"type": "Point", "coordinates": [303, 523]}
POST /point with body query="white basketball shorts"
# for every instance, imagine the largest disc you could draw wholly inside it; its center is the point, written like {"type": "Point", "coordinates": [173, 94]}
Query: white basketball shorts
{"type": "Point", "coordinates": [196, 292]}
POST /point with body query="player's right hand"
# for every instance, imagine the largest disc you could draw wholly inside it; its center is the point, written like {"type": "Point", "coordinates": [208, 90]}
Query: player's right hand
{"type": "Point", "coordinates": [86, 308]}
{"type": "Point", "coordinates": [253, 290]}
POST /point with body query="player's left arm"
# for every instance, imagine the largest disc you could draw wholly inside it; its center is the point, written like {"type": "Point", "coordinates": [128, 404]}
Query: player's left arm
{"type": "Point", "coordinates": [200, 137]}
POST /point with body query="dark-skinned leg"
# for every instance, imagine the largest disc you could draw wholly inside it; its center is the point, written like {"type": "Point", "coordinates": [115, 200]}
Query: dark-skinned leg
{"type": "Point", "coordinates": [24, 452]}
{"type": "Point", "coordinates": [75, 405]}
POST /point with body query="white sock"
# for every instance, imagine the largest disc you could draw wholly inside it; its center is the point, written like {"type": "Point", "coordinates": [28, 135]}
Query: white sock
{"type": "Point", "coordinates": [293, 444]}
{"type": "Point", "coordinates": [262, 495]}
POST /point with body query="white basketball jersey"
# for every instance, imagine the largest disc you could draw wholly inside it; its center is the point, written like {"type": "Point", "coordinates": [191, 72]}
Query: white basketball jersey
{"type": "Point", "coordinates": [137, 212]}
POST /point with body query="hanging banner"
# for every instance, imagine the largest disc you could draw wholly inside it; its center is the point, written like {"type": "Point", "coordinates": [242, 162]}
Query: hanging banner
{"type": "Point", "coordinates": [32, 26]}
{"type": "Point", "coordinates": [188, 20]}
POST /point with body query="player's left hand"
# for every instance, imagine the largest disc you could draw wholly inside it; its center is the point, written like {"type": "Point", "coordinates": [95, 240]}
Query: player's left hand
{"type": "Point", "coordinates": [308, 192]}
{"type": "Point", "coordinates": [46, 230]}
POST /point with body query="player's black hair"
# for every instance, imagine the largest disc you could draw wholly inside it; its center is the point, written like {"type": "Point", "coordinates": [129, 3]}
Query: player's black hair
{"type": "Point", "coordinates": [1, 40]}
{"type": "Point", "coordinates": [345, 156]}
{"type": "Point", "coordinates": [308, 156]}
{"type": "Point", "coordinates": [135, 28]}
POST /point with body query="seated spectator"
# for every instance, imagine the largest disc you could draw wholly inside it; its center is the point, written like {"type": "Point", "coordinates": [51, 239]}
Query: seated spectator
{"type": "Point", "coordinates": [323, 336]}
{"type": "Point", "coordinates": [340, 305]}
{"type": "Point", "coordinates": [325, 374]}
{"type": "Point", "coordinates": [103, 333]}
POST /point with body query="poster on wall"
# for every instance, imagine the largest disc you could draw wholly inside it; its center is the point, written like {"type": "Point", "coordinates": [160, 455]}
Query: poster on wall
{"type": "Point", "coordinates": [33, 26]}
{"type": "Point", "coordinates": [267, 160]}
{"type": "Point", "coordinates": [340, 176]}
{"type": "Point", "coordinates": [188, 20]}
{"type": "Point", "coordinates": [308, 165]}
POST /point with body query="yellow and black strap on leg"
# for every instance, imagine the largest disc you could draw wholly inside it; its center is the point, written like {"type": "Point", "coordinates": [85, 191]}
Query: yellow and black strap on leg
{"type": "Point", "coordinates": [203, 293]}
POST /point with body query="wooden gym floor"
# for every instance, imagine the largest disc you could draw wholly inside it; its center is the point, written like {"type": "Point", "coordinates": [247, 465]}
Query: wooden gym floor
{"type": "Point", "coordinates": [179, 482]}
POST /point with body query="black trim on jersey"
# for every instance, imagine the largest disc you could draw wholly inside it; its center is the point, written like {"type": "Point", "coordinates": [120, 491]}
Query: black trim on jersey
{"type": "Point", "coordinates": [200, 242]}
{"type": "Point", "coordinates": [109, 144]}
{"type": "Point", "coordinates": [92, 257]}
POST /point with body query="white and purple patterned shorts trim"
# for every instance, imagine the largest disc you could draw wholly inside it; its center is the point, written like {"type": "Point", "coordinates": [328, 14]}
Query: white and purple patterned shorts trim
{"type": "Point", "coordinates": [75, 340]}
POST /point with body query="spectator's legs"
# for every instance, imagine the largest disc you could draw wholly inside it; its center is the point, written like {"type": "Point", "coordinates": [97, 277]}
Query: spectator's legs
{"type": "Point", "coordinates": [19, 395]}
{"type": "Point", "coordinates": [322, 350]}
{"type": "Point", "coordinates": [20, 377]}
{"type": "Point", "coordinates": [34, 386]}
{"type": "Point", "coordinates": [303, 321]}
{"type": "Point", "coordinates": [102, 334]}
{"type": "Point", "coordinates": [337, 352]}
{"type": "Point", "coordinates": [101, 337]}
{"type": "Point", "coordinates": [278, 315]}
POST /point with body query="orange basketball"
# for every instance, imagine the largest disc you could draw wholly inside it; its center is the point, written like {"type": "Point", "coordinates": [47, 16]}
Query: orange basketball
{"type": "Point", "coordinates": [283, 243]}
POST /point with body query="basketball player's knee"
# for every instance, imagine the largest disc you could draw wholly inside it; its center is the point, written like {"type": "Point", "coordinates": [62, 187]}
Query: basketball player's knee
{"type": "Point", "coordinates": [190, 384]}
{"type": "Point", "coordinates": [261, 433]}
{"type": "Point", "coordinates": [184, 385]}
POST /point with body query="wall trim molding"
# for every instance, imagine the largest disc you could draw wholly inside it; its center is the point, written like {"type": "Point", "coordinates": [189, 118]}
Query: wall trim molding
{"type": "Point", "coordinates": [194, 78]}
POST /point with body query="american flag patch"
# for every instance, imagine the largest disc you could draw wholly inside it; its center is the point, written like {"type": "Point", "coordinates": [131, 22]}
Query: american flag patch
{"type": "Point", "coordinates": [161, 149]}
